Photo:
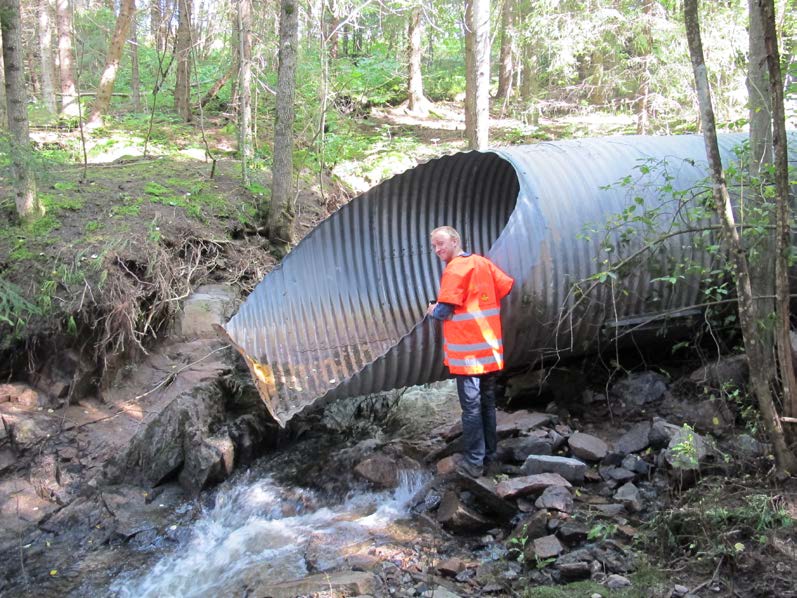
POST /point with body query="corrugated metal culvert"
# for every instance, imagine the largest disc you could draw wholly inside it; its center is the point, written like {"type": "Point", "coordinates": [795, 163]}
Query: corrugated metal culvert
{"type": "Point", "coordinates": [343, 314]}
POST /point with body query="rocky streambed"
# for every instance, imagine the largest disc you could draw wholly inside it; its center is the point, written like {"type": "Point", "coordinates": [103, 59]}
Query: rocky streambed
{"type": "Point", "coordinates": [175, 483]}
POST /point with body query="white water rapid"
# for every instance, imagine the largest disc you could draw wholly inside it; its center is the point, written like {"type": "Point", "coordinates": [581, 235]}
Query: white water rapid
{"type": "Point", "coordinates": [258, 531]}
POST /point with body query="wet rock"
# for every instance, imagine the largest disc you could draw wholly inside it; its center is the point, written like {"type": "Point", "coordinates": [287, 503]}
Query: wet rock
{"type": "Point", "coordinates": [634, 440]}
{"type": "Point", "coordinates": [571, 469]}
{"type": "Point", "coordinates": [206, 462]}
{"type": "Point", "coordinates": [573, 532]}
{"type": "Point", "coordinates": [615, 582]}
{"type": "Point", "coordinates": [248, 434]}
{"type": "Point", "coordinates": [587, 447]}
{"type": "Point", "coordinates": [557, 498]}
{"type": "Point", "coordinates": [641, 389]}
{"type": "Point", "coordinates": [208, 305]}
{"type": "Point", "coordinates": [532, 484]}
{"type": "Point", "coordinates": [727, 370]}
{"type": "Point", "coordinates": [573, 571]}
{"type": "Point", "coordinates": [456, 516]}
{"type": "Point", "coordinates": [25, 431]}
{"type": "Point", "coordinates": [347, 583]}
{"type": "Point", "coordinates": [544, 548]}
{"type": "Point", "coordinates": [628, 494]}
{"type": "Point", "coordinates": [519, 422]}
{"type": "Point", "coordinates": [518, 449]}
{"type": "Point", "coordinates": [448, 464]}
{"type": "Point", "coordinates": [173, 441]}
{"type": "Point", "coordinates": [380, 470]}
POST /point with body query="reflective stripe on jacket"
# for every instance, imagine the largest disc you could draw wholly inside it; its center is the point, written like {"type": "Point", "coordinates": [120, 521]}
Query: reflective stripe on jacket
{"type": "Point", "coordinates": [473, 341]}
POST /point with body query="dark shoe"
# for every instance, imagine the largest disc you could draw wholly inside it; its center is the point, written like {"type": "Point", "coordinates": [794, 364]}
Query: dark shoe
{"type": "Point", "coordinates": [492, 468]}
{"type": "Point", "coordinates": [471, 471]}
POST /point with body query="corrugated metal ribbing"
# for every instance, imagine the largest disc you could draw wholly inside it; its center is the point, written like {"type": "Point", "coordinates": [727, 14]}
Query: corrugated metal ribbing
{"type": "Point", "coordinates": [343, 313]}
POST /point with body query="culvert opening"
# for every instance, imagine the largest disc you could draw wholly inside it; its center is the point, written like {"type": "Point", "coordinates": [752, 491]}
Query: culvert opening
{"type": "Point", "coordinates": [353, 293]}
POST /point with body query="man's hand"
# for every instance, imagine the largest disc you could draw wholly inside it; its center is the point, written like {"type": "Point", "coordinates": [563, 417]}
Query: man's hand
{"type": "Point", "coordinates": [430, 309]}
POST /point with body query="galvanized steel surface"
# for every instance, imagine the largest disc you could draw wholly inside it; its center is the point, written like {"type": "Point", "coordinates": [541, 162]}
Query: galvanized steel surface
{"type": "Point", "coordinates": [343, 314]}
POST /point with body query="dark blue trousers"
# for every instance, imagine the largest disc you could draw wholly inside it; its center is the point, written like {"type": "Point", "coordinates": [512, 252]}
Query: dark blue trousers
{"type": "Point", "coordinates": [477, 399]}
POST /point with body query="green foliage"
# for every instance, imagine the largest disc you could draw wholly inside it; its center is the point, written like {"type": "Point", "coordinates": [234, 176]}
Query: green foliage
{"type": "Point", "coordinates": [601, 531]}
{"type": "Point", "coordinates": [712, 521]}
{"type": "Point", "coordinates": [685, 451]}
{"type": "Point", "coordinates": [14, 308]}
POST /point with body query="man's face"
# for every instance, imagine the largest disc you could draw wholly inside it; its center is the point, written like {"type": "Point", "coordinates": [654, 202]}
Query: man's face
{"type": "Point", "coordinates": [445, 246]}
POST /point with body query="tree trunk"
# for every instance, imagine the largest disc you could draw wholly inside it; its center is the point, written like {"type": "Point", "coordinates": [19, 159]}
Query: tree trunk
{"type": "Point", "coordinates": [28, 206]}
{"type": "Point", "coordinates": [3, 113]}
{"type": "Point", "coordinates": [477, 67]}
{"type": "Point", "coordinates": [46, 51]}
{"type": "Point", "coordinates": [416, 101]}
{"type": "Point", "coordinates": [182, 87]}
{"type": "Point", "coordinates": [245, 85]}
{"type": "Point", "coordinates": [220, 82]}
{"type": "Point", "coordinates": [783, 210]}
{"type": "Point", "coordinates": [643, 112]}
{"type": "Point", "coordinates": [762, 274]}
{"type": "Point", "coordinates": [280, 214]}
{"type": "Point", "coordinates": [66, 59]}
{"type": "Point", "coordinates": [761, 369]}
{"type": "Point", "coordinates": [135, 78]}
{"type": "Point", "coordinates": [102, 102]}
{"type": "Point", "coordinates": [506, 65]}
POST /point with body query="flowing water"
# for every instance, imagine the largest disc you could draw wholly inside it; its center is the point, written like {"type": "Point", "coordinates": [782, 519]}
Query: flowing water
{"type": "Point", "coordinates": [258, 530]}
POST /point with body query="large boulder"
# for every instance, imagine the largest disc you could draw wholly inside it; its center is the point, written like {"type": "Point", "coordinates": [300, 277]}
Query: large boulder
{"type": "Point", "coordinates": [208, 306]}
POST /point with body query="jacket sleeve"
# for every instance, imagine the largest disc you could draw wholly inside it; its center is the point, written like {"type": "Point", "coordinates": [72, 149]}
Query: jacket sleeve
{"type": "Point", "coordinates": [503, 282]}
{"type": "Point", "coordinates": [454, 284]}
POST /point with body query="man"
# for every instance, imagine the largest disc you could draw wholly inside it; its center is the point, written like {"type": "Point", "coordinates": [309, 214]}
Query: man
{"type": "Point", "coordinates": [469, 305]}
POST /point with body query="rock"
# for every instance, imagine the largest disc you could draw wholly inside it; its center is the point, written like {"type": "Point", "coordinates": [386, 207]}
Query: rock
{"type": "Point", "coordinates": [485, 491]}
{"type": "Point", "coordinates": [380, 470]}
{"type": "Point", "coordinates": [346, 583]}
{"type": "Point", "coordinates": [545, 548]}
{"type": "Point", "coordinates": [640, 389]}
{"type": "Point", "coordinates": [248, 434]}
{"type": "Point", "coordinates": [208, 305]}
{"type": "Point", "coordinates": [557, 498]}
{"type": "Point", "coordinates": [206, 462]}
{"type": "Point", "coordinates": [573, 571]}
{"type": "Point", "coordinates": [748, 447]}
{"type": "Point", "coordinates": [710, 416]}
{"type": "Point", "coordinates": [615, 582]}
{"type": "Point", "coordinates": [612, 510]}
{"type": "Point", "coordinates": [571, 469]}
{"type": "Point", "coordinates": [573, 532]}
{"type": "Point", "coordinates": [679, 590]}
{"type": "Point", "coordinates": [447, 464]}
{"type": "Point", "coordinates": [628, 494]}
{"type": "Point", "coordinates": [450, 567]}
{"type": "Point", "coordinates": [173, 441]}
{"type": "Point", "coordinates": [535, 526]}
{"type": "Point", "coordinates": [661, 432]}
{"type": "Point", "coordinates": [518, 422]}
{"type": "Point", "coordinates": [439, 592]}
{"type": "Point", "coordinates": [732, 370]}
{"type": "Point", "coordinates": [518, 449]}
{"type": "Point", "coordinates": [7, 458]}
{"type": "Point", "coordinates": [636, 464]}
{"type": "Point", "coordinates": [587, 447]}
{"type": "Point", "coordinates": [634, 440]}
{"type": "Point", "coordinates": [686, 450]}
{"type": "Point", "coordinates": [618, 474]}
{"type": "Point", "coordinates": [456, 516]}
{"type": "Point", "coordinates": [532, 484]}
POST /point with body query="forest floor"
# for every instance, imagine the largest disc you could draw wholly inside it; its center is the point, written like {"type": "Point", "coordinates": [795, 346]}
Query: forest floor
{"type": "Point", "coordinates": [98, 281]}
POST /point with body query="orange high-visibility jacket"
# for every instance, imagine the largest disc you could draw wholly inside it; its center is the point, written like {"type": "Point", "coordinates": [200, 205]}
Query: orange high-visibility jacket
{"type": "Point", "coordinates": [473, 342]}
